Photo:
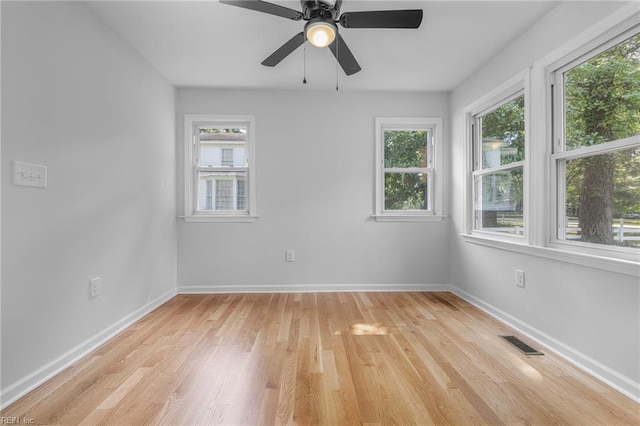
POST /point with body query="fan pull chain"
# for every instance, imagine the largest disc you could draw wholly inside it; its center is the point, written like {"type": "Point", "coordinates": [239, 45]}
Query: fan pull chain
{"type": "Point", "coordinates": [337, 61]}
{"type": "Point", "coordinates": [304, 62]}
{"type": "Point", "coordinates": [337, 71]}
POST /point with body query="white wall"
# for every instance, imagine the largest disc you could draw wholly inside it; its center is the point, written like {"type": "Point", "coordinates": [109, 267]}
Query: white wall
{"type": "Point", "coordinates": [315, 177]}
{"type": "Point", "coordinates": [589, 314]}
{"type": "Point", "coordinates": [77, 99]}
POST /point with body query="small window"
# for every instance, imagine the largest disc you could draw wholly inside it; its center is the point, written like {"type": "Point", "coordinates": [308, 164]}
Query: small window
{"type": "Point", "coordinates": [498, 138]}
{"type": "Point", "coordinates": [596, 154]}
{"type": "Point", "coordinates": [227, 157]}
{"type": "Point", "coordinates": [406, 166]}
{"type": "Point", "coordinates": [217, 168]}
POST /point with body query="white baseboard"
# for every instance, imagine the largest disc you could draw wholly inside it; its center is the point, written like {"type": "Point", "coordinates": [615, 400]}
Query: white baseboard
{"type": "Point", "coordinates": [17, 390]}
{"type": "Point", "coordinates": [310, 288]}
{"type": "Point", "coordinates": [612, 378]}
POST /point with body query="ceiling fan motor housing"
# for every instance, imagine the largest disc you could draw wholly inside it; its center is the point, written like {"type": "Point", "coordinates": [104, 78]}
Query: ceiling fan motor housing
{"type": "Point", "coordinates": [317, 9]}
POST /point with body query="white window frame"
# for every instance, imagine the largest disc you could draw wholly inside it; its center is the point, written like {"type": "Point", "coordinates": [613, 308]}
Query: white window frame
{"type": "Point", "coordinates": [510, 90]}
{"type": "Point", "coordinates": [434, 181]}
{"type": "Point", "coordinates": [192, 214]}
{"type": "Point", "coordinates": [540, 191]}
{"type": "Point", "coordinates": [558, 153]}
{"type": "Point", "coordinates": [479, 171]}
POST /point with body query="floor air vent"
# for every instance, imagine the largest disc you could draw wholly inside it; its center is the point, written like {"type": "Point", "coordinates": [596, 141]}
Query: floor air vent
{"type": "Point", "coordinates": [526, 349]}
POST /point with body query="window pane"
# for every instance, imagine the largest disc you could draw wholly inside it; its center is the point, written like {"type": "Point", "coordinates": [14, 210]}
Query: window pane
{"type": "Point", "coordinates": [223, 146]}
{"type": "Point", "coordinates": [227, 156]}
{"type": "Point", "coordinates": [602, 97]}
{"type": "Point", "coordinates": [405, 191]}
{"type": "Point", "coordinates": [209, 194]}
{"type": "Point", "coordinates": [503, 134]}
{"type": "Point", "coordinates": [222, 191]}
{"type": "Point", "coordinates": [223, 133]}
{"type": "Point", "coordinates": [498, 202]}
{"type": "Point", "coordinates": [224, 194]}
{"type": "Point", "coordinates": [602, 194]}
{"type": "Point", "coordinates": [405, 148]}
{"type": "Point", "coordinates": [242, 196]}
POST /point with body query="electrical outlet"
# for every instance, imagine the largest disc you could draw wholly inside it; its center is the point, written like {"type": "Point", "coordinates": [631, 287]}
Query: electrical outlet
{"type": "Point", "coordinates": [33, 175]}
{"type": "Point", "coordinates": [519, 278]}
{"type": "Point", "coordinates": [94, 287]}
{"type": "Point", "coordinates": [289, 256]}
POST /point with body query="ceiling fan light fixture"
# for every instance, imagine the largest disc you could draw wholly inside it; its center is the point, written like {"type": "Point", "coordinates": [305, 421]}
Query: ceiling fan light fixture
{"type": "Point", "coordinates": [320, 32]}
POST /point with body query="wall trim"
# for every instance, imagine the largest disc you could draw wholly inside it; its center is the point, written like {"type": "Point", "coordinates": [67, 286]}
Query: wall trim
{"type": "Point", "coordinates": [309, 288]}
{"type": "Point", "coordinates": [621, 266]}
{"type": "Point", "coordinates": [20, 388]}
{"type": "Point", "coordinates": [607, 375]}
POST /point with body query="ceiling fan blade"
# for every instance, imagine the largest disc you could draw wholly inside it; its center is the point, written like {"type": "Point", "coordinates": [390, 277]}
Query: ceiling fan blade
{"type": "Point", "coordinates": [382, 19]}
{"type": "Point", "coordinates": [284, 50]}
{"type": "Point", "coordinates": [265, 7]}
{"type": "Point", "coordinates": [344, 56]}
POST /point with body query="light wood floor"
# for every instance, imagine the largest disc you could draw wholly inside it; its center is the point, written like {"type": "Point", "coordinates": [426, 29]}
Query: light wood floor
{"type": "Point", "coordinates": [328, 358]}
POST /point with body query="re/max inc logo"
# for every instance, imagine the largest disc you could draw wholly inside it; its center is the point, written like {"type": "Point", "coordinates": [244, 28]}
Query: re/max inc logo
{"type": "Point", "coordinates": [5, 420]}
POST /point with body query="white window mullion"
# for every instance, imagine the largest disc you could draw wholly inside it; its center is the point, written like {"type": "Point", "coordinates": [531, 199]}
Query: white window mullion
{"type": "Point", "coordinates": [430, 184]}
{"type": "Point", "coordinates": [561, 199]}
{"type": "Point", "coordinates": [234, 189]}
{"type": "Point", "coordinates": [558, 140]}
{"type": "Point", "coordinates": [195, 174]}
{"type": "Point", "coordinates": [603, 148]}
{"type": "Point", "coordinates": [214, 198]}
{"type": "Point", "coordinates": [502, 168]}
{"type": "Point", "coordinates": [406, 170]}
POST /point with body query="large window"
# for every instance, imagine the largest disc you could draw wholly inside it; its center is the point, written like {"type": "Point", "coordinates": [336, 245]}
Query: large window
{"type": "Point", "coordinates": [218, 165]}
{"type": "Point", "coordinates": [553, 154]}
{"type": "Point", "coordinates": [405, 178]}
{"type": "Point", "coordinates": [596, 150]}
{"type": "Point", "coordinates": [498, 138]}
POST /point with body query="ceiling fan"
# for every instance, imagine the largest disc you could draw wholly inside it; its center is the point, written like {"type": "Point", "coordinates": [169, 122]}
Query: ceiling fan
{"type": "Point", "coordinates": [321, 29]}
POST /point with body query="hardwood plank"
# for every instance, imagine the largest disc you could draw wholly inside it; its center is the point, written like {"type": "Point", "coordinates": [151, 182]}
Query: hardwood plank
{"type": "Point", "coordinates": [326, 358]}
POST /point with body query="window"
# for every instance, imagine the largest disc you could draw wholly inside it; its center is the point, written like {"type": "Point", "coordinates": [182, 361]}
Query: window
{"type": "Point", "coordinates": [227, 157]}
{"type": "Point", "coordinates": [218, 166]}
{"type": "Point", "coordinates": [596, 151]}
{"type": "Point", "coordinates": [555, 151]}
{"type": "Point", "coordinates": [405, 178]}
{"type": "Point", "coordinates": [498, 139]}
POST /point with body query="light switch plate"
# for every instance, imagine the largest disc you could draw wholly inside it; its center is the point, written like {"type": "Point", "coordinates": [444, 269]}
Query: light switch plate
{"type": "Point", "coordinates": [94, 287]}
{"type": "Point", "coordinates": [289, 256]}
{"type": "Point", "coordinates": [519, 278]}
{"type": "Point", "coordinates": [25, 174]}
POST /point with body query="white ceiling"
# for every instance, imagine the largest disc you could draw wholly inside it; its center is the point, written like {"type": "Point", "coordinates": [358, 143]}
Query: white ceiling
{"type": "Point", "coordinates": [208, 44]}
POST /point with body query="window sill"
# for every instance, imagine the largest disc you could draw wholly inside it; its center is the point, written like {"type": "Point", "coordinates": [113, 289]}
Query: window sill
{"type": "Point", "coordinates": [627, 267]}
{"type": "Point", "coordinates": [219, 218]}
{"type": "Point", "coordinates": [408, 218]}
